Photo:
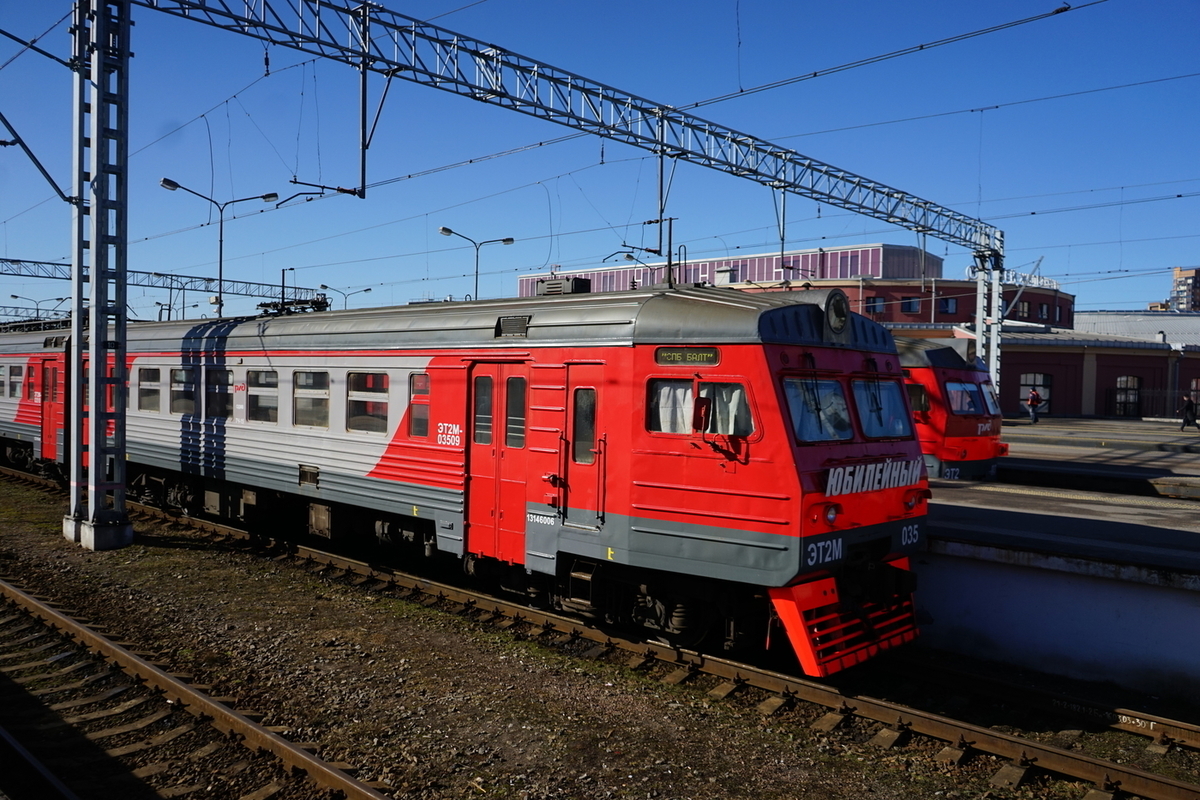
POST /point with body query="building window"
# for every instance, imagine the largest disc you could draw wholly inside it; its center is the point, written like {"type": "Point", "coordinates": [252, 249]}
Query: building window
{"type": "Point", "coordinates": [262, 395]}
{"type": "Point", "coordinates": [947, 305]}
{"type": "Point", "coordinates": [183, 390]}
{"type": "Point", "coordinates": [418, 409]}
{"type": "Point", "coordinates": [1023, 309]}
{"type": "Point", "coordinates": [1126, 399]}
{"type": "Point", "coordinates": [218, 402]}
{"type": "Point", "coordinates": [911, 305]}
{"type": "Point", "coordinates": [1043, 311]}
{"type": "Point", "coordinates": [874, 305]}
{"type": "Point", "coordinates": [367, 402]}
{"type": "Point", "coordinates": [310, 400]}
{"type": "Point", "coordinates": [1040, 381]}
{"type": "Point", "coordinates": [1057, 313]}
{"type": "Point", "coordinates": [149, 390]}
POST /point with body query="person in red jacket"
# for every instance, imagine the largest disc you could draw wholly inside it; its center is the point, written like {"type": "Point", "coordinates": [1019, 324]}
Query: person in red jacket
{"type": "Point", "coordinates": [1034, 401]}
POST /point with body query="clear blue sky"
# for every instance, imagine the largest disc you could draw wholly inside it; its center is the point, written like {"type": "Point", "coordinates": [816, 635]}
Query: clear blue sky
{"type": "Point", "coordinates": [1076, 181]}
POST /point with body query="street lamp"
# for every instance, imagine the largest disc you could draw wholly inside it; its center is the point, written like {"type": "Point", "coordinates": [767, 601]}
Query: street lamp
{"type": "Point", "coordinates": [444, 231]}
{"type": "Point", "coordinates": [37, 304]}
{"type": "Point", "coordinates": [345, 295]}
{"type": "Point", "coordinates": [170, 309]}
{"type": "Point", "coordinates": [270, 197]}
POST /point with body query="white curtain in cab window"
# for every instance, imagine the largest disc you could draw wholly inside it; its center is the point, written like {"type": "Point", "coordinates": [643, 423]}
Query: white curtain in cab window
{"type": "Point", "coordinates": [671, 406]}
{"type": "Point", "coordinates": [730, 414]}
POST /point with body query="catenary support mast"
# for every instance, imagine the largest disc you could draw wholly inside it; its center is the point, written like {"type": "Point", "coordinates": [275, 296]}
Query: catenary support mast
{"type": "Point", "coordinates": [97, 517]}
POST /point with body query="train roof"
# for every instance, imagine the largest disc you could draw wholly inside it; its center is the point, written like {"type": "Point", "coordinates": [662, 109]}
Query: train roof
{"type": "Point", "coordinates": [945, 353]}
{"type": "Point", "coordinates": [648, 316]}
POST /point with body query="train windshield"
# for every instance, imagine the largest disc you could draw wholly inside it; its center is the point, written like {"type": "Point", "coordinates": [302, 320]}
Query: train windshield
{"type": "Point", "coordinates": [882, 412]}
{"type": "Point", "coordinates": [989, 399]}
{"type": "Point", "coordinates": [964, 398]}
{"type": "Point", "coordinates": [819, 410]}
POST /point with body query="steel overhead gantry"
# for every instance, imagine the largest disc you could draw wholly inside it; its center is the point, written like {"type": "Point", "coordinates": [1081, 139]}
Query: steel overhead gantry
{"type": "Point", "coordinates": [371, 38]}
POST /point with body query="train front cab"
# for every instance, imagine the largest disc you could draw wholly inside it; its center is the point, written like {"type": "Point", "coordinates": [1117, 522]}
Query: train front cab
{"type": "Point", "coordinates": [958, 422]}
{"type": "Point", "coordinates": [864, 494]}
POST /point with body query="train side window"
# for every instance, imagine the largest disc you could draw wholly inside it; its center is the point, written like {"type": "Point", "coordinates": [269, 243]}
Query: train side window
{"type": "Point", "coordinates": [964, 398]}
{"type": "Point", "coordinates": [819, 409]}
{"type": "Point", "coordinates": [514, 410]}
{"type": "Point", "coordinates": [3, 381]}
{"type": "Point", "coordinates": [918, 397]}
{"type": "Point", "coordinates": [669, 405]}
{"type": "Point", "coordinates": [882, 412]}
{"type": "Point", "coordinates": [989, 399]}
{"type": "Point", "coordinates": [730, 414]}
{"type": "Point", "coordinates": [149, 390]}
{"type": "Point", "coordinates": [15, 379]}
{"type": "Point", "coordinates": [583, 427]}
{"type": "Point", "coordinates": [367, 402]}
{"type": "Point", "coordinates": [310, 401]}
{"type": "Point", "coordinates": [183, 390]}
{"type": "Point", "coordinates": [262, 395]}
{"type": "Point", "coordinates": [418, 409]}
{"type": "Point", "coordinates": [482, 411]}
{"type": "Point", "coordinates": [218, 401]}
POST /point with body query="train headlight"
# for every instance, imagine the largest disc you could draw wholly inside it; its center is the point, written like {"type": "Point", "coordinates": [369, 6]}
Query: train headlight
{"type": "Point", "coordinates": [831, 513]}
{"type": "Point", "coordinates": [914, 497]}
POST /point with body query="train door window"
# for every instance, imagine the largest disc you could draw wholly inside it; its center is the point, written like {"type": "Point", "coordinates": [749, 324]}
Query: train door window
{"type": "Point", "coordinates": [918, 397]}
{"type": "Point", "coordinates": [183, 390]}
{"type": "Point", "coordinates": [1128, 401]}
{"type": "Point", "coordinates": [367, 402]}
{"type": "Point", "coordinates": [818, 409]}
{"type": "Point", "coordinates": [149, 390]}
{"type": "Point", "coordinates": [964, 398]}
{"type": "Point", "coordinates": [882, 412]}
{"type": "Point", "coordinates": [669, 406]}
{"type": "Point", "coordinates": [218, 401]}
{"type": "Point", "coordinates": [310, 401]}
{"type": "Point", "coordinates": [418, 409]}
{"type": "Point", "coordinates": [514, 412]}
{"type": "Point", "coordinates": [730, 413]}
{"type": "Point", "coordinates": [262, 395]}
{"type": "Point", "coordinates": [583, 427]}
{"type": "Point", "coordinates": [1040, 381]}
{"type": "Point", "coordinates": [482, 410]}
{"type": "Point", "coordinates": [989, 399]}
{"type": "Point", "coordinates": [15, 379]}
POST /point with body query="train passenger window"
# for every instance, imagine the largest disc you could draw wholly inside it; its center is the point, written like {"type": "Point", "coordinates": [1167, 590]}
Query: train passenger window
{"type": "Point", "coordinates": [418, 409]}
{"type": "Point", "coordinates": [367, 402]}
{"type": "Point", "coordinates": [819, 409]}
{"type": "Point", "coordinates": [262, 395]}
{"type": "Point", "coordinates": [514, 407]}
{"type": "Point", "coordinates": [882, 412]}
{"type": "Point", "coordinates": [218, 401]}
{"type": "Point", "coordinates": [3, 381]}
{"type": "Point", "coordinates": [482, 411]}
{"type": "Point", "coordinates": [583, 427]}
{"type": "Point", "coordinates": [669, 406]}
{"type": "Point", "coordinates": [149, 390]}
{"type": "Point", "coordinates": [964, 398]}
{"type": "Point", "coordinates": [183, 390]}
{"type": "Point", "coordinates": [15, 378]}
{"type": "Point", "coordinates": [310, 401]}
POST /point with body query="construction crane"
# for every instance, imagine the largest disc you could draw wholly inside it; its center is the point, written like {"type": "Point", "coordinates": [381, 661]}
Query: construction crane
{"type": "Point", "coordinates": [373, 39]}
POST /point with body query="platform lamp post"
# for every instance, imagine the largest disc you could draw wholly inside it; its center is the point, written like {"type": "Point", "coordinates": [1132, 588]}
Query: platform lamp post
{"type": "Point", "coordinates": [444, 231]}
{"type": "Point", "coordinates": [270, 197]}
{"type": "Point", "coordinates": [37, 304]}
{"type": "Point", "coordinates": [346, 295]}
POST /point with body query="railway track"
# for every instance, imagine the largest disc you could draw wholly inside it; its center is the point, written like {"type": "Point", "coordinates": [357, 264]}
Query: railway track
{"type": "Point", "coordinates": [88, 717]}
{"type": "Point", "coordinates": [889, 724]}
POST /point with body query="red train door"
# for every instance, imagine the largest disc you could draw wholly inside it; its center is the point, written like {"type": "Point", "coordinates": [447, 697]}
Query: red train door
{"type": "Point", "coordinates": [51, 403]}
{"type": "Point", "coordinates": [583, 477]}
{"type": "Point", "coordinates": [498, 427]}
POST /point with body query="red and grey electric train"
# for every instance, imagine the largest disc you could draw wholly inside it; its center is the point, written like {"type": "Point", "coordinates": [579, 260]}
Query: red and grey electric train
{"type": "Point", "coordinates": [693, 461]}
{"type": "Point", "coordinates": [954, 406]}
